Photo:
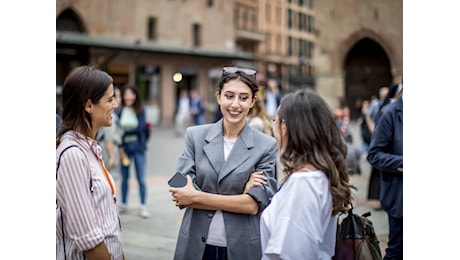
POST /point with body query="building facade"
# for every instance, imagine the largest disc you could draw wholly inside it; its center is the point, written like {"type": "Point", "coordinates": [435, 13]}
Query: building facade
{"type": "Point", "coordinates": [359, 48]}
{"type": "Point", "coordinates": [166, 45]}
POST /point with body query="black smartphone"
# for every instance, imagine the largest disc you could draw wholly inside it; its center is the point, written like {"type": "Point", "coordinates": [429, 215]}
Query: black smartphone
{"type": "Point", "coordinates": [177, 180]}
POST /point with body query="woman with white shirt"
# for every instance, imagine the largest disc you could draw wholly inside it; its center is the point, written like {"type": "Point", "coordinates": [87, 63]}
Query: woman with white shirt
{"type": "Point", "coordinates": [301, 220]}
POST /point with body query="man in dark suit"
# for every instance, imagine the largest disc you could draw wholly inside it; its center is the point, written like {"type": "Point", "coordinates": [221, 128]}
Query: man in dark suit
{"type": "Point", "coordinates": [386, 153]}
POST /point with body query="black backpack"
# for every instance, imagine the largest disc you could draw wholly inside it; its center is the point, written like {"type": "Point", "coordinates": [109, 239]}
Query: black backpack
{"type": "Point", "coordinates": [356, 239]}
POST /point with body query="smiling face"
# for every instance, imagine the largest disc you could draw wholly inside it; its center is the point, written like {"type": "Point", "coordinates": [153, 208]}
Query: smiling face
{"type": "Point", "coordinates": [101, 113]}
{"type": "Point", "coordinates": [235, 100]}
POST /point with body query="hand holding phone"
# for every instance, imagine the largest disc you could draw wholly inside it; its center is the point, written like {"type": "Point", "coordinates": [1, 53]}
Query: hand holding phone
{"type": "Point", "coordinates": [177, 180]}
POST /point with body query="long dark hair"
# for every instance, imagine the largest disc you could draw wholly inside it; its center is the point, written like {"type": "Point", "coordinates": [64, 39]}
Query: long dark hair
{"type": "Point", "coordinates": [313, 137]}
{"type": "Point", "coordinates": [137, 105]}
{"type": "Point", "coordinates": [83, 83]}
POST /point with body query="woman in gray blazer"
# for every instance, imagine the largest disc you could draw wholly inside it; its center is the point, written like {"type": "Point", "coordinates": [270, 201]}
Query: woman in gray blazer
{"type": "Point", "coordinates": [221, 219]}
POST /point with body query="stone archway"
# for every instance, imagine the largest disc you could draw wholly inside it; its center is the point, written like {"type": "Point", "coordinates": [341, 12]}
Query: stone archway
{"type": "Point", "coordinates": [366, 60]}
{"type": "Point", "coordinates": [367, 68]}
{"type": "Point", "coordinates": [69, 55]}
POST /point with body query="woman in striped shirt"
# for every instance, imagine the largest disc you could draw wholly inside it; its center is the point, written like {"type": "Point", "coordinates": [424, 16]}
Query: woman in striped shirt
{"type": "Point", "coordinates": [87, 221]}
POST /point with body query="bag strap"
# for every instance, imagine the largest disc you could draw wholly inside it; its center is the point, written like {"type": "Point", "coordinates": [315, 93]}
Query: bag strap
{"type": "Point", "coordinates": [59, 159]}
{"type": "Point", "coordinates": [62, 220]}
{"type": "Point", "coordinates": [90, 187]}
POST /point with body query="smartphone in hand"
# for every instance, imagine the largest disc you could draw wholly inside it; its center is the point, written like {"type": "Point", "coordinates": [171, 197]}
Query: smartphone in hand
{"type": "Point", "coordinates": [177, 180]}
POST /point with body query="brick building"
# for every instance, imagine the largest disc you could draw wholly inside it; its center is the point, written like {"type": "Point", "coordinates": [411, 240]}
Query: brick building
{"type": "Point", "coordinates": [340, 48]}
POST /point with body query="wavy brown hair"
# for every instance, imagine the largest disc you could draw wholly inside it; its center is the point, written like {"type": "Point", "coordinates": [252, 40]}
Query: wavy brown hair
{"type": "Point", "coordinates": [313, 137]}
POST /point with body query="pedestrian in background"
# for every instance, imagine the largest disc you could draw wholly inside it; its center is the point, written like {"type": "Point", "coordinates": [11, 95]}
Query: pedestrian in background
{"type": "Point", "coordinates": [197, 108]}
{"type": "Point", "coordinates": [353, 155]}
{"type": "Point", "coordinates": [342, 115]}
{"type": "Point", "coordinates": [366, 127]}
{"type": "Point", "coordinates": [258, 117]}
{"type": "Point", "coordinates": [391, 94]}
{"type": "Point", "coordinates": [109, 139]}
{"type": "Point", "coordinates": [376, 103]}
{"type": "Point", "coordinates": [272, 97]}
{"type": "Point", "coordinates": [386, 154]}
{"type": "Point", "coordinates": [221, 219]}
{"type": "Point", "coordinates": [134, 147]}
{"type": "Point", "coordinates": [374, 183]}
{"type": "Point", "coordinates": [301, 220]}
{"type": "Point", "coordinates": [182, 118]}
{"type": "Point", "coordinates": [394, 92]}
{"type": "Point", "coordinates": [87, 221]}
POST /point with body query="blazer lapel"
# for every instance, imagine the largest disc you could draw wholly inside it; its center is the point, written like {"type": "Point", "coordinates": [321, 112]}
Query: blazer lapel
{"type": "Point", "coordinates": [214, 150]}
{"type": "Point", "coordinates": [239, 153]}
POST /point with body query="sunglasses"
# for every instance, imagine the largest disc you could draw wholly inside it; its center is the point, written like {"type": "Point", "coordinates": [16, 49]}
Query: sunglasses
{"type": "Point", "coordinates": [249, 72]}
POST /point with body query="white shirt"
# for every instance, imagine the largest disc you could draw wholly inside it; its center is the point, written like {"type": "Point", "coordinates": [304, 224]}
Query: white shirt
{"type": "Point", "coordinates": [298, 224]}
{"type": "Point", "coordinates": [216, 233]}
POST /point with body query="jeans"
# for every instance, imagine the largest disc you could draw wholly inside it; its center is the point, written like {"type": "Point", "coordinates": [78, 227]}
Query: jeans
{"type": "Point", "coordinates": [140, 161]}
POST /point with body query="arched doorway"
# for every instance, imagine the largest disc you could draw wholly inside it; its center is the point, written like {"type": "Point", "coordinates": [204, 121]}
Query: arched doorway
{"type": "Point", "coordinates": [367, 68]}
{"type": "Point", "coordinates": [69, 56]}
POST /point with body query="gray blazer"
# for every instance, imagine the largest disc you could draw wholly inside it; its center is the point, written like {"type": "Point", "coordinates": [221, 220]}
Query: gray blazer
{"type": "Point", "coordinates": [203, 159]}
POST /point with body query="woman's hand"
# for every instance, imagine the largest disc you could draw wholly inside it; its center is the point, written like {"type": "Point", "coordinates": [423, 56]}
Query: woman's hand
{"type": "Point", "coordinates": [184, 196]}
{"type": "Point", "coordinates": [256, 179]}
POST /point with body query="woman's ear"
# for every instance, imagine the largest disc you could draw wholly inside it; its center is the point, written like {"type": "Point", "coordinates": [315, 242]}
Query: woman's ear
{"type": "Point", "coordinates": [89, 106]}
{"type": "Point", "coordinates": [254, 100]}
{"type": "Point", "coordinates": [218, 97]}
{"type": "Point", "coordinates": [283, 128]}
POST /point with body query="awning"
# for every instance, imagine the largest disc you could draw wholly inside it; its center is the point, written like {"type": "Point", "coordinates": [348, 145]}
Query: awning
{"type": "Point", "coordinates": [81, 39]}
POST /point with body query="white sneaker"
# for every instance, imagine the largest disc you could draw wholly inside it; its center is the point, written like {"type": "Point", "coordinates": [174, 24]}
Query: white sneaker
{"type": "Point", "coordinates": [122, 209]}
{"type": "Point", "coordinates": [144, 213]}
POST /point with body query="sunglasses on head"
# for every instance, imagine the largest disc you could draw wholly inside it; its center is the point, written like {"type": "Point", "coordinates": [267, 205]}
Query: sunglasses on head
{"type": "Point", "coordinates": [248, 72]}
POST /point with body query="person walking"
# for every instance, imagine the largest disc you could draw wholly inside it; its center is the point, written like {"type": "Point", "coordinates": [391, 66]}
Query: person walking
{"type": "Point", "coordinates": [133, 147]}
{"type": "Point", "coordinates": [366, 127]}
{"type": "Point", "coordinates": [272, 97]}
{"type": "Point", "coordinates": [301, 220]}
{"type": "Point", "coordinates": [87, 220]}
{"type": "Point", "coordinates": [221, 219]}
{"type": "Point", "coordinates": [183, 113]}
{"type": "Point", "coordinates": [197, 108]}
{"type": "Point", "coordinates": [386, 154]}
{"type": "Point", "coordinates": [371, 113]}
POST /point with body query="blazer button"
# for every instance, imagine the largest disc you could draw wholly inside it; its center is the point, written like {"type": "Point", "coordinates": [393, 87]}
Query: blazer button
{"type": "Point", "coordinates": [210, 215]}
{"type": "Point", "coordinates": [203, 239]}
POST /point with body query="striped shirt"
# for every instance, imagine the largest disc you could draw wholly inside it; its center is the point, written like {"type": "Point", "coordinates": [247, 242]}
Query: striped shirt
{"type": "Point", "coordinates": [89, 214]}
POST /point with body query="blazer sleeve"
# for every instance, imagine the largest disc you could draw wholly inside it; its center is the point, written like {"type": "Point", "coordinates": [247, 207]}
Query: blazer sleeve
{"type": "Point", "coordinates": [263, 194]}
{"type": "Point", "coordinates": [385, 149]}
